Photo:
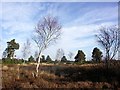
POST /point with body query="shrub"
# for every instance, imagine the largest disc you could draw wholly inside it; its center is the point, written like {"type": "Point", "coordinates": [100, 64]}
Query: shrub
{"type": "Point", "coordinates": [31, 59]}
{"type": "Point", "coordinates": [11, 61]}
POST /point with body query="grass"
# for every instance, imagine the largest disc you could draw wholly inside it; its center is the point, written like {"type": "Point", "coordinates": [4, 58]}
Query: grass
{"type": "Point", "coordinates": [61, 76]}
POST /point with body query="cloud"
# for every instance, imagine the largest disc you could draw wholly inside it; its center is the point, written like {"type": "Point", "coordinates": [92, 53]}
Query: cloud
{"type": "Point", "coordinates": [20, 11]}
{"type": "Point", "coordinates": [19, 17]}
{"type": "Point", "coordinates": [76, 38]}
{"type": "Point", "coordinates": [80, 23]}
{"type": "Point", "coordinates": [97, 15]}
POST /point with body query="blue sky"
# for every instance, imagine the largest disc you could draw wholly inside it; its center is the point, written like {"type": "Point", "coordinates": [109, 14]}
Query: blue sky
{"type": "Point", "coordinates": [80, 21]}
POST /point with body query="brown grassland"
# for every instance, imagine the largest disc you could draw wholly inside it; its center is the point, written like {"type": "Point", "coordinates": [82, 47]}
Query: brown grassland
{"type": "Point", "coordinates": [61, 76]}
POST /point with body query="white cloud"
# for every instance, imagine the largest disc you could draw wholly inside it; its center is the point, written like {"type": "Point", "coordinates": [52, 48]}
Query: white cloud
{"type": "Point", "coordinates": [14, 27]}
{"type": "Point", "coordinates": [19, 20]}
{"type": "Point", "coordinates": [19, 17]}
{"type": "Point", "coordinates": [96, 15]}
{"type": "Point", "coordinates": [77, 37]}
{"type": "Point", "coordinates": [20, 11]}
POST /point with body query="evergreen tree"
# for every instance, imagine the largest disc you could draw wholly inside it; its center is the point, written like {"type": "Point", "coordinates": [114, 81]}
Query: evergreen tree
{"type": "Point", "coordinates": [11, 47]}
{"type": "Point", "coordinates": [80, 57]}
{"type": "Point", "coordinates": [63, 59]}
{"type": "Point", "coordinates": [43, 58]}
{"type": "Point", "coordinates": [96, 55]}
{"type": "Point", "coordinates": [48, 59]}
{"type": "Point", "coordinates": [31, 59]}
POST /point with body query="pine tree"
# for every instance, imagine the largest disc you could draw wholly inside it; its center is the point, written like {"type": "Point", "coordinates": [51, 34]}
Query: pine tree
{"type": "Point", "coordinates": [43, 58]}
{"type": "Point", "coordinates": [48, 59]}
{"type": "Point", "coordinates": [96, 55]}
{"type": "Point", "coordinates": [63, 59]}
{"type": "Point", "coordinates": [80, 57]}
{"type": "Point", "coordinates": [11, 47]}
{"type": "Point", "coordinates": [31, 59]}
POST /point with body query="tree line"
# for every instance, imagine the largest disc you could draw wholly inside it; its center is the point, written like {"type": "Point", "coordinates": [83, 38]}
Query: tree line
{"type": "Point", "coordinates": [48, 31]}
{"type": "Point", "coordinates": [60, 57]}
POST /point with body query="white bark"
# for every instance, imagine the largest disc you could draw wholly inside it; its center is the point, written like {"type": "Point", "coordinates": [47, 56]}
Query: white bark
{"type": "Point", "coordinates": [38, 64]}
{"type": "Point", "coordinates": [47, 31]}
{"type": "Point", "coordinates": [39, 57]}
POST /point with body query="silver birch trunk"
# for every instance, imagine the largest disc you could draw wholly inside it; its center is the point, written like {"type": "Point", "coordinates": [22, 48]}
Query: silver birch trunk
{"type": "Point", "coordinates": [38, 64]}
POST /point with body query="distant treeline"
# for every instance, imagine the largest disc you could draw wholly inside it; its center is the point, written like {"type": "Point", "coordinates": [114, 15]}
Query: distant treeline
{"type": "Point", "coordinates": [31, 60]}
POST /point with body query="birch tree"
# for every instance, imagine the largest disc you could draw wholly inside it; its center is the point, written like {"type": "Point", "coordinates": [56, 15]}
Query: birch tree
{"type": "Point", "coordinates": [59, 54]}
{"type": "Point", "coordinates": [26, 49]}
{"type": "Point", "coordinates": [36, 55]}
{"type": "Point", "coordinates": [47, 31]}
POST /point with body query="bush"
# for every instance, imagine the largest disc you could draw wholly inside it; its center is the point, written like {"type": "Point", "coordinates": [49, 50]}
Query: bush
{"type": "Point", "coordinates": [31, 59]}
{"type": "Point", "coordinates": [50, 62]}
{"type": "Point", "coordinates": [79, 63]}
{"type": "Point", "coordinates": [12, 61]}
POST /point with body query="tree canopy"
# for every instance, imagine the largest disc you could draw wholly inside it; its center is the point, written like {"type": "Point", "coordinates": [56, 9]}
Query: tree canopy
{"type": "Point", "coordinates": [43, 58]}
{"type": "Point", "coordinates": [96, 55]}
{"type": "Point", "coordinates": [80, 57]}
{"type": "Point", "coordinates": [48, 59]}
{"type": "Point", "coordinates": [47, 31]}
{"type": "Point", "coordinates": [64, 59]}
{"type": "Point", "coordinates": [11, 47]}
{"type": "Point", "coordinates": [31, 59]}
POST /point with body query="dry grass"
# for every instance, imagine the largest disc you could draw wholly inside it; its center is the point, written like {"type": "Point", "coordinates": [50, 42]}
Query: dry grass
{"type": "Point", "coordinates": [59, 76]}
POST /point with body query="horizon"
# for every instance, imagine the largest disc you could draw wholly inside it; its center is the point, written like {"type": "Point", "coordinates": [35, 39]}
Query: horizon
{"type": "Point", "coordinates": [80, 22]}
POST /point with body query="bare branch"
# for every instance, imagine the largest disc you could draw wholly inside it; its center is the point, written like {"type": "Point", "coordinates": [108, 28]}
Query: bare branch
{"type": "Point", "coordinates": [26, 49]}
{"type": "Point", "coordinates": [48, 30]}
{"type": "Point", "coordinates": [108, 38]}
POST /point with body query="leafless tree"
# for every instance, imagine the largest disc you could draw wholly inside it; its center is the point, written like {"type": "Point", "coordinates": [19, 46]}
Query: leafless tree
{"type": "Point", "coordinates": [108, 38]}
{"type": "Point", "coordinates": [70, 55]}
{"type": "Point", "coordinates": [47, 31]}
{"type": "Point", "coordinates": [36, 55]}
{"type": "Point", "coordinates": [26, 49]}
{"type": "Point", "coordinates": [60, 53]}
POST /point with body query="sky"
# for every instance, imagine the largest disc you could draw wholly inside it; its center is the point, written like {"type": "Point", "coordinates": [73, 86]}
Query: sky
{"type": "Point", "coordinates": [80, 23]}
